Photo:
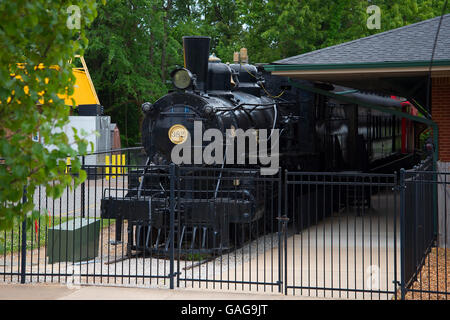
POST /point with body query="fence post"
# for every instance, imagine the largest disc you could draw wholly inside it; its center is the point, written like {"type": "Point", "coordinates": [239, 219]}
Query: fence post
{"type": "Point", "coordinates": [24, 242]}
{"type": "Point", "coordinates": [172, 224]}
{"type": "Point", "coordinates": [435, 185]}
{"type": "Point", "coordinates": [284, 222]}
{"type": "Point", "coordinates": [402, 233]}
{"type": "Point", "coordinates": [282, 231]}
{"type": "Point", "coordinates": [82, 189]}
{"type": "Point", "coordinates": [395, 189]}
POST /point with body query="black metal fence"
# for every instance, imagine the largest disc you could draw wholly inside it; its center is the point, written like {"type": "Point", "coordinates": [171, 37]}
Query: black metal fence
{"type": "Point", "coordinates": [228, 229]}
{"type": "Point", "coordinates": [425, 237]}
{"type": "Point", "coordinates": [344, 235]}
{"type": "Point", "coordinates": [347, 235]}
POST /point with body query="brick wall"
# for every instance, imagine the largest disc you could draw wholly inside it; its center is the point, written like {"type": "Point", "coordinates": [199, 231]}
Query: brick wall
{"type": "Point", "coordinates": [440, 104]}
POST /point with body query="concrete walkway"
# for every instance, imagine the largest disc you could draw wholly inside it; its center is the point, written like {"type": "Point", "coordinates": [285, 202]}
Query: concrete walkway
{"type": "Point", "coordinates": [61, 292]}
{"type": "Point", "coordinates": [344, 256]}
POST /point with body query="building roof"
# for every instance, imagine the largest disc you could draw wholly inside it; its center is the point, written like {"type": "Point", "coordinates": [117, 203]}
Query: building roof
{"type": "Point", "coordinates": [409, 44]}
{"type": "Point", "coordinates": [392, 62]}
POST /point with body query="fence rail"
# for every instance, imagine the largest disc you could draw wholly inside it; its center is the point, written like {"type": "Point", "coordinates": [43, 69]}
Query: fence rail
{"type": "Point", "coordinates": [324, 234]}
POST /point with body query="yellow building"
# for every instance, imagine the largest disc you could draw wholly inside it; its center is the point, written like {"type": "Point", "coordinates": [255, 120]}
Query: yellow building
{"type": "Point", "coordinates": [84, 93]}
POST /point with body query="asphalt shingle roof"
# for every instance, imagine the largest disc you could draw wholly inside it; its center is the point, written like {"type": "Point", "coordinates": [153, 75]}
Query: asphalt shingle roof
{"type": "Point", "coordinates": [406, 44]}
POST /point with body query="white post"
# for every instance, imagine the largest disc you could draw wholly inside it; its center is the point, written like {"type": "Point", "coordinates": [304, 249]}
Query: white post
{"type": "Point", "coordinates": [443, 204]}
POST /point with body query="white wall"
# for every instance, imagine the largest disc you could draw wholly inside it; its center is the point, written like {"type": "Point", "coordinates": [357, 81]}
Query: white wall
{"type": "Point", "coordinates": [443, 205]}
{"type": "Point", "coordinates": [88, 124]}
{"type": "Point", "coordinates": [91, 125]}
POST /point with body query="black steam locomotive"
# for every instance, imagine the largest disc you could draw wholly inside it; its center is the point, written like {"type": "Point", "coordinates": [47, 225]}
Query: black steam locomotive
{"type": "Point", "coordinates": [316, 133]}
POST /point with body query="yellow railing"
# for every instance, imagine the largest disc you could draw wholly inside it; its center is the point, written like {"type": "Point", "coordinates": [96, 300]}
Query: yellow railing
{"type": "Point", "coordinates": [67, 165]}
{"type": "Point", "coordinates": [117, 165]}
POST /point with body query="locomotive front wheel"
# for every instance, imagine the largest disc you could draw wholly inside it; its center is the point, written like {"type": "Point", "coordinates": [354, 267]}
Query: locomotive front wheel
{"type": "Point", "coordinates": [147, 237]}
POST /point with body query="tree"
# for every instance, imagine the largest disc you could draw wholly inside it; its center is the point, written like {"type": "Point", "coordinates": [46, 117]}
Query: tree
{"type": "Point", "coordinates": [134, 44]}
{"type": "Point", "coordinates": [131, 52]}
{"type": "Point", "coordinates": [38, 39]}
{"type": "Point", "coordinates": [280, 29]}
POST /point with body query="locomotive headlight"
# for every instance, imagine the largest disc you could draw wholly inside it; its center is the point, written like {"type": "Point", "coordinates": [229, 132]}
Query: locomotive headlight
{"type": "Point", "coordinates": [181, 78]}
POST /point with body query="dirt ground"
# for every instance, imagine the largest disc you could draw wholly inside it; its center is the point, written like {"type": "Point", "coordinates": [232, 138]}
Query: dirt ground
{"type": "Point", "coordinates": [434, 276]}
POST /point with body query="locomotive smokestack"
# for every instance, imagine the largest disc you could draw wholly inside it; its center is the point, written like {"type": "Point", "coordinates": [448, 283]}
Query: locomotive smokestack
{"type": "Point", "coordinates": [196, 54]}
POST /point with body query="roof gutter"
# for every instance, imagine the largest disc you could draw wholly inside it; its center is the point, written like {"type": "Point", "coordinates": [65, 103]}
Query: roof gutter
{"type": "Point", "coordinates": [351, 100]}
{"type": "Point", "coordinates": [368, 65]}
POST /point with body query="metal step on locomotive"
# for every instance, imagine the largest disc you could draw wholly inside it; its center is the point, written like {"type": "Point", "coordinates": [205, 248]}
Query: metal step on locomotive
{"type": "Point", "coordinates": [219, 207]}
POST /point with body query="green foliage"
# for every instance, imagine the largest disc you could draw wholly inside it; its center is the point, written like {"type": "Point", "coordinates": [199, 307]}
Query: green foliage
{"type": "Point", "coordinates": [130, 49]}
{"type": "Point", "coordinates": [36, 47]}
{"type": "Point", "coordinates": [135, 44]}
{"type": "Point", "coordinates": [280, 29]}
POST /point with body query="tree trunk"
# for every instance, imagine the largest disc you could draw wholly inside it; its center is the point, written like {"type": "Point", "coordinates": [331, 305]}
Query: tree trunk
{"type": "Point", "coordinates": [167, 9]}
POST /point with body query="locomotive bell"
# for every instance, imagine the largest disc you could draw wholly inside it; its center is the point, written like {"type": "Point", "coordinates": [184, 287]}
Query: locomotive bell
{"type": "Point", "coordinates": [243, 55]}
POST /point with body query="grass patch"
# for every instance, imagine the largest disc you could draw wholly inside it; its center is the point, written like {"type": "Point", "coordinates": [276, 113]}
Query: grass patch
{"type": "Point", "coordinates": [195, 257]}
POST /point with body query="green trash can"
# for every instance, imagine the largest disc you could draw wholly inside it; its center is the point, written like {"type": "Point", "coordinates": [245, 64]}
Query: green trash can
{"type": "Point", "coordinates": [73, 241]}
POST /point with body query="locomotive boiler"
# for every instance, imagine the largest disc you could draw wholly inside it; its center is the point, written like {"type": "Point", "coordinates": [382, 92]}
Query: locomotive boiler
{"type": "Point", "coordinates": [314, 133]}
